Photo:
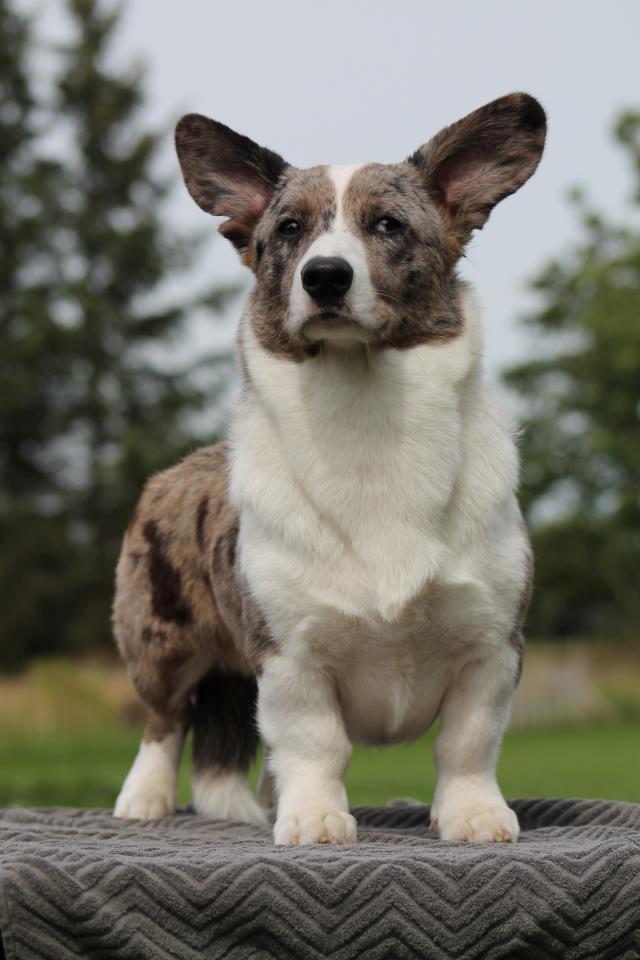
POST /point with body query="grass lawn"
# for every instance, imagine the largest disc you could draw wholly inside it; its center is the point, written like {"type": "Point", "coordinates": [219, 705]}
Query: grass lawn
{"type": "Point", "coordinates": [86, 769]}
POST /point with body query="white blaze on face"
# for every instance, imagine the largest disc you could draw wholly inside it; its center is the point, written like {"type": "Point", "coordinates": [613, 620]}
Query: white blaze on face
{"type": "Point", "coordinates": [338, 241]}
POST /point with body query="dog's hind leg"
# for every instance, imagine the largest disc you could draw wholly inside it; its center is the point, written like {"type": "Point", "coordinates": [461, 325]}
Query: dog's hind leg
{"type": "Point", "coordinates": [149, 790]}
{"type": "Point", "coordinates": [165, 673]}
{"type": "Point", "coordinates": [225, 741]}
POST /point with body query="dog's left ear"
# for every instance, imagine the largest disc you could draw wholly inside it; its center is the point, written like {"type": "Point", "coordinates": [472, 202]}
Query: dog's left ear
{"type": "Point", "coordinates": [475, 163]}
{"type": "Point", "coordinates": [228, 175]}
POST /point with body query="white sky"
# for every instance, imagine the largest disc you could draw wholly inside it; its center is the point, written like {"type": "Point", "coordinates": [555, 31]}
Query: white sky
{"type": "Point", "coordinates": [341, 81]}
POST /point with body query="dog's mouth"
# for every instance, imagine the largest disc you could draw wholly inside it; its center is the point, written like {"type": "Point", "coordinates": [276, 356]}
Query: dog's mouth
{"type": "Point", "coordinates": [334, 324]}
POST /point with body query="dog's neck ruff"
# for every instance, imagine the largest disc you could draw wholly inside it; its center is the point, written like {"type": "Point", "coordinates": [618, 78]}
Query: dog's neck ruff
{"type": "Point", "coordinates": [355, 466]}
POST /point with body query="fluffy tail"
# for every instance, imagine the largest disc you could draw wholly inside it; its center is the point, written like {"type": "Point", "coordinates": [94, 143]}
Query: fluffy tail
{"type": "Point", "coordinates": [225, 741]}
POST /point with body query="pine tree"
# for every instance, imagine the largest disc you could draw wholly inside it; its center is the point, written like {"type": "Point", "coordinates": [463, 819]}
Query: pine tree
{"type": "Point", "coordinates": [33, 541]}
{"type": "Point", "coordinates": [581, 446]}
{"type": "Point", "coordinates": [102, 406]}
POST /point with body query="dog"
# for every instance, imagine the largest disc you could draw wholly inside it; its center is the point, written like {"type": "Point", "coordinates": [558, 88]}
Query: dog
{"type": "Point", "coordinates": [351, 563]}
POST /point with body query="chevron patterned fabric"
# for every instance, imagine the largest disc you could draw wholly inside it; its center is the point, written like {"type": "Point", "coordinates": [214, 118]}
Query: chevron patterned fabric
{"type": "Point", "coordinates": [77, 883]}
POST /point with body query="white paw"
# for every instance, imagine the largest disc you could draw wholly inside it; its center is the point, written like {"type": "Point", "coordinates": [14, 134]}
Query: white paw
{"type": "Point", "coordinates": [477, 823]}
{"type": "Point", "coordinates": [149, 792]}
{"type": "Point", "coordinates": [144, 802]}
{"type": "Point", "coordinates": [226, 796]}
{"type": "Point", "coordinates": [331, 826]}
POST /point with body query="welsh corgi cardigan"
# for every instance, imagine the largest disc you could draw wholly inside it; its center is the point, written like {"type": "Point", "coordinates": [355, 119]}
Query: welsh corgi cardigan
{"type": "Point", "coordinates": [351, 563]}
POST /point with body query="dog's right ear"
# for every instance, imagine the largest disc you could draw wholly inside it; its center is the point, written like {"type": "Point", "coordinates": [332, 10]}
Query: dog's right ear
{"type": "Point", "coordinates": [227, 174]}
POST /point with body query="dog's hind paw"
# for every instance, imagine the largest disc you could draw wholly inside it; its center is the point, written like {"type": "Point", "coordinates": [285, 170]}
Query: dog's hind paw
{"type": "Point", "coordinates": [143, 804]}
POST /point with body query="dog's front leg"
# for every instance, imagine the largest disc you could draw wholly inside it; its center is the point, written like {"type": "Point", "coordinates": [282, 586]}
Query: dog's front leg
{"type": "Point", "coordinates": [300, 719]}
{"type": "Point", "coordinates": [468, 804]}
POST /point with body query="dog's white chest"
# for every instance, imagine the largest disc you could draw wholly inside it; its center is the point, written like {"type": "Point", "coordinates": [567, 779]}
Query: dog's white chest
{"type": "Point", "coordinates": [354, 506]}
{"type": "Point", "coordinates": [391, 689]}
{"type": "Point", "coordinates": [391, 675]}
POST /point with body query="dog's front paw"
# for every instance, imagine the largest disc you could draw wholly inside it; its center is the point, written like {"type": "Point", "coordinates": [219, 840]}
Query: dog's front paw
{"type": "Point", "coordinates": [477, 823]}
{"type": "Point", "coordinates": [328, 826]}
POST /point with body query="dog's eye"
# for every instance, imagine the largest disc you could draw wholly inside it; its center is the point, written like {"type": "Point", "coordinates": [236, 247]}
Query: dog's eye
{"type": "Point", "coordinates": [288, 228]}
{"type": "Point", "coordinates": [387, 224]}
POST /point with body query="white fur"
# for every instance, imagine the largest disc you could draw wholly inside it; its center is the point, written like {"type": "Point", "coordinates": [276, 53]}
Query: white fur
{"type": "Point", "coordinates": [380, 534]}
{"type": "Point", "coordinates": [339, 241]}
{"type": "Point", "coordinates": [149, 791]}
{"type": "Point", "coordinates": [300, 720]}
{"type": "Point", "coordinates": [468, 804]}
{"type": "Point", "coordinates": [226, 796]}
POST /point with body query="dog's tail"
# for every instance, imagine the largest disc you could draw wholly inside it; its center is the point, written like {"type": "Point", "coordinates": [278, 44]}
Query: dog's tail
{"type": "Point", "coordinates": [225, 742]}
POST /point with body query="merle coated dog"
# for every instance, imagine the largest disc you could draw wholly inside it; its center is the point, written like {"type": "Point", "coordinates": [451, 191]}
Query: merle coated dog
{"type": "Point", "coordinates": [351, 563]}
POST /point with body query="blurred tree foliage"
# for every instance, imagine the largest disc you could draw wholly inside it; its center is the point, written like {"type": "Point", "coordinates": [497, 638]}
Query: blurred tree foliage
{"type": "Point", "coordinates": [581, 445]}
{"type": "Point", "coordinates": [31, 542]}
{"type": "Point", "coordinates": [90, 402]}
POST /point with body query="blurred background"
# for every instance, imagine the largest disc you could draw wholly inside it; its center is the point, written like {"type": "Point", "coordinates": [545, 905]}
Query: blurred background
{"type": "Point", "coordinates": [118, 307]}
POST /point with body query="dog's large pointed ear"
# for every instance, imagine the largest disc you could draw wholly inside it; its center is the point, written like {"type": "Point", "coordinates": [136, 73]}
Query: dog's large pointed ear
{"type": "Point", "coordinates": [475, 163]}
{"type": "Point", "coordinates": [227, 174]}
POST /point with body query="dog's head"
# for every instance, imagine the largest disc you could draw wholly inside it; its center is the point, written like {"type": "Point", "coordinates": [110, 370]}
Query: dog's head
{"type": "Point", "coordinates": [363, 253]}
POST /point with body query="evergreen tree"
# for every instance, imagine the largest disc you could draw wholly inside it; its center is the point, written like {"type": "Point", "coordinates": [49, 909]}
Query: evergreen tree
{"type": "Point", "coordinates": [33, 541]}
{"type": "Point", "coordinates": [581, 446]}
{"type": "Point", "coordinates": [102, 407]}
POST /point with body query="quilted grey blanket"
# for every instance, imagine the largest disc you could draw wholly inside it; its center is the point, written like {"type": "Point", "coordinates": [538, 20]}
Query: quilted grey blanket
{"type": "Point", "coordinates": [77, 883]}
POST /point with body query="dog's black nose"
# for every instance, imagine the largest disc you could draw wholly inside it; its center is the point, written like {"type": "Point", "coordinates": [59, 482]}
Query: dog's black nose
{"type": "Point", "coordinates": [327, 279]}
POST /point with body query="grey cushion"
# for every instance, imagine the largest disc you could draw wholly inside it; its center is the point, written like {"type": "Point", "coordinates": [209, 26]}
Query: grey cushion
{"type": "Point", "coordinates": [77, 883]}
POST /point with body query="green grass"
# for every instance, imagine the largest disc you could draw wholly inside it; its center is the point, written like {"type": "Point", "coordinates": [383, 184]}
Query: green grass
{"type": "Point", "coordinates": [87, 769]}
{"type": "Point", "coordinates": [598, 761]}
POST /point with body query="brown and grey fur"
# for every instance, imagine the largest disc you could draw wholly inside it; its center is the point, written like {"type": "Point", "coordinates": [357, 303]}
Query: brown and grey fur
{"type": "Point", "coordinates": [418, 291]}
{"type": "Point", "coordinates": [181, 618]}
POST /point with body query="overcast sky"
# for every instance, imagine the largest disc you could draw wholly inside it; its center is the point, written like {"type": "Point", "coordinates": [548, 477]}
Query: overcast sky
{"type": "Point", "coordinates": [342, 81]}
